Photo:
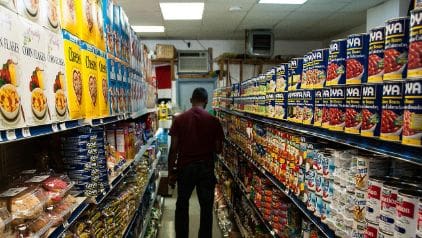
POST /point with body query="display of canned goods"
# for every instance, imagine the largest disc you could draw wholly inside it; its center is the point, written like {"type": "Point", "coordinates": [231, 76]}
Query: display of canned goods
{"type": "Point", "coordinates": [358, 229]}
{"type": "Point", "coordinates": [319, 181]}
{"type": "Point", "coordinates": [360, 206]}
{"type": "Point", "coordinates": [373, 204]}
{"type": "Point", "coordinates": [396, 48]}
{"type": "Point", "coordinates": [376, 55]}
{"type": "Point", "coordinates": [407, 213]}
{"type": "Point", "coordinates": [371, 230]}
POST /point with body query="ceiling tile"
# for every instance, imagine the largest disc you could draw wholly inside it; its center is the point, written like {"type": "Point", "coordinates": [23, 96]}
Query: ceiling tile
{"type": "Point", "coordinates": [144, 6]}
{"type": "Point", "coordinates": [360, 5]}
{"type": "Point", "coordinates": [224, 5]}
{"type": "Point", "coordinates": [321, 7]}
{"type": "Point", "coordinates": [146, 18]}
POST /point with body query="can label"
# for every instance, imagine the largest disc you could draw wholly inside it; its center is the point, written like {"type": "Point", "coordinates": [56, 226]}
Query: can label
{"type": "Point", "coordinates": [282, 77]}
{"type": "Point", "coordinates": [280, 105]}
{"type": "Point", "coordinates": [353, 109]}
{"type": "Point", "coordinates": [296, 68]}
{"type": "Point", "coordinates": [406, 216]}
{"type": "Point", "coordinates": [414, 69]}
{"type": "Point", "coordinates": [270, 77]}
{"type": "Point", "coordinates": [396, 44]}
{"type": "Point", "coordinates": [325, 108]}
{"type": "Point", "coordinates": [307, 71]}
{"type": "Point", "coordinates": [386, 224]}
{"type": "Point", "coordinates": [358, 229]}
{"type": "Point", "coordinates": [337, 63]}
{"type": "Point", "coordinates": [327, 190]}
{"type": "Point", "coordinates": [384, 235]}
{"type": "Point", "coordinates": [376, 55]}
{"type": "Point", "coordinates": [412, 115]}
{"type": "Point", "coordinates": [371, 231]}
{"type": "Point", "coordinates": [388, 209]}
{"type": "Point", "coordinates": [270, 102]}
{"type": "Point", "coordinates": [295, 106]}
{"type": "Point", "coordinates": [360, 205]}
{"type": "Point", "coordinates": [357, 58]}
{"type": "Point", "coordinates": [308, 107]}
{"type": "Point", "coordinates": [319, 69]}
{"type": "Point", "coordinates": [310, 180]}
{"type": "Point", "coordinates": [371, 109]}
{"type": "Point", "coordinates": [337, 107]}
{"type": "Point", "coordinates": [319, 180]}
{"type": "Point", "coordinates": [318, 107]}
{"type": "Point", "coordinates": [392, 110]}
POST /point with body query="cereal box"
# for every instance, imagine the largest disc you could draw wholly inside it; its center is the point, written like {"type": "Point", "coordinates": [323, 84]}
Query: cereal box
{"type": "Point", "coordinates": [33, 42]}
{"type": "Point", "coordinates": [337, 107]}
{"type": "Point", "coordinates": [117, 30]}
{"type": "Point", "coordinates": [73, 75]}
{"type": "Point", "coordinates": [69, 12]}
{"type": "Point", "coordinates": [89, 80]}
{"type": "Point", "coordinates": [336, 71]}
{"type": "Point", "coordinates": [412, 117]}
{"type": "Point", "coordinates": [11, 115]}
{"type": "Point", "coordinates": [308, 107]}
{"type": "Point", "coordinates": [87, 15]}
{"type": "Point", "coordinates": [282, 77]}
{"type": "Point", "coordinates": [55, 77]}
{"type": "Point", "coordinates": [371, 110]}
{"type": "Point", "coordinates": [392, 111]}
{"type": "Point", "coordinates": [353, 109]}
{"type": "Point", "coordinates": [99, 27]}
{"type": "Point", "coordinates": [108, 25]}
{"type": "Point", "coordinates": [102, 84]}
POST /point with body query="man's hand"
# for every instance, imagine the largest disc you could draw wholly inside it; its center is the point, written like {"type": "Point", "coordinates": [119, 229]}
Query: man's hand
{"type": "Point", "coordinates": [172, 178]}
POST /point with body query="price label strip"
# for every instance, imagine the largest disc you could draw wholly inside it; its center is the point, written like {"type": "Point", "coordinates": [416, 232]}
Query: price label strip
{"type": "Point", "coordinates": [62, 126]}
{"type": "Point", "coordinates": [11, 134]}
{"type": "Point", "coordinates": [26, 132]}
{"type": "Point", "coordinates": [54, 127]}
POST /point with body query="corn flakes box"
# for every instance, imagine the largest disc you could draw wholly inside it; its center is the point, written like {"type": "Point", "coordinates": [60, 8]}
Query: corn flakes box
{"type": "Point", "coordinates": [69, 12]}
{"type": "Point", "coordinates": [87, 15]}
{"type": "Point", "coordinates": [99, 27]}
{"type": "Point", "coordinates": [73, 75]}
{"type": "Point", "coordinates": [102, 83]}
{"type": "Point", "coordinates": [11, 4]}
{"type": "Point", "coordinates": [11, 113]}
{"type": "Point", "coordinates": [51, 16]}
{"type": "Point", "coordinates": [89, 80]}
{"type": "Point", "coordinates": [33, 42]}
{"type": "Point", "coordinates": [32, 10]}
{"type": "Point", "coordinates": [55, 77]}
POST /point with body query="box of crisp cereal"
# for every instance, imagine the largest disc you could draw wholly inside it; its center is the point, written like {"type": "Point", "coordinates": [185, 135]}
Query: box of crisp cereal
{"type": "Point", "coordinates": [55, 77]}
{"type": "Point", "coordinates": [89, 80]}
{"type": "Point", "coordinates": [11, 113]}
{"type": "Point", "coordinates": [99, 27]}
{"type": "Point", "coordinates": [33, 42]}
{"type": "Point", "coordinates": [392, 111]}
{"type": "Point", "coordinates": [412, 116]}
{"type": "Point", "coordinates": [69, 12]}
{"type": "Point", "coordinates": [73, 75]}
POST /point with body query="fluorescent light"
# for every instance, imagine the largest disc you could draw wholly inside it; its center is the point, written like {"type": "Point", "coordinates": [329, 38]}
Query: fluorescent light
{"type": "Point", "coordinates": [182, 11]}
{"type": "Point", "coordinates": [283, 1]}
{"type": "Point", "coordinates": [148, 28]}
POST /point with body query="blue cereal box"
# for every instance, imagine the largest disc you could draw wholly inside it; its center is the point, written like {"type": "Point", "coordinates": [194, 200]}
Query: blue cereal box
{"type": "Point", "coordinates": [357, 58]}
{"type": "Point", "coordinates": [336, 70]}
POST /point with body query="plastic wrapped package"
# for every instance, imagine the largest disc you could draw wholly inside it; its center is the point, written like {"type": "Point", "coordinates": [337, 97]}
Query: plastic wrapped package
{"type": "Point", "coordinates": [24, 202]}
{"type": "Point", "coordinates": [5, 219]}
{"type": "Point", "coordinates": [40, 225]}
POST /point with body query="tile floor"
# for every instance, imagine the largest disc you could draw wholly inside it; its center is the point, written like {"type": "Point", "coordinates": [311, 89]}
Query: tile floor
{"type": "Point", "coordinates": [167, 222]}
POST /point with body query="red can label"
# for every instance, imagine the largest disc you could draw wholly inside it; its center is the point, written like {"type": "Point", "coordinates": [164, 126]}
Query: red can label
{"type": "Point", "coordinates": [414, 69]}
{"type": "Point", "coordinates": [392, 110]}
{"type": "Point", "coordinates": [412, 116]}
{"type": "Point", "coordinates": [371, 109]}
{"type": "Point", "coordinates": [376, 55]}
{"type": "Point", "coordinates": [353, 109]}
{"type": "Point", "coordinates": [396, 46]}
{"type": "Point", "coordinates": [357, 59]}
{"type": "Point", "coordinates": [337, 63]}
{"type": "Point", "coordinates": [337, 108]}
{"type": "Point", "coordinates": [371, 231]}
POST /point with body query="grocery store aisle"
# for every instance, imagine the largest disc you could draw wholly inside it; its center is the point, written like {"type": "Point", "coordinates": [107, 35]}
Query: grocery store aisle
{"type": "Point", "coordinates": [167, 222]}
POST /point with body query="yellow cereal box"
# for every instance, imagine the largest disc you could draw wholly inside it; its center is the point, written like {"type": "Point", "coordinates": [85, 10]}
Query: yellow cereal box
{"type": "Point", "coordinates": [69, 16]}
{"type": "Point", "coordinates": [73, 63]}
{"type": "Point", "coordinates": [102, 83]}
{"type": "Point", "coordinates": [87, 15]}
{"type": "Point", "coordinates": [89, 81]}
{"type": "Point", "coordinates": [100, 44]}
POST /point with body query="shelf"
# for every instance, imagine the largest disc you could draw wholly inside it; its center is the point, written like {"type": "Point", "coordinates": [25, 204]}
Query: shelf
{"type": "Point", "coordinates": [242, 231]}
{"type": "Point", "coordinates": [145, 221]}
{"type": "Point", "coordinates": [392, 149]}
{"type": "Point", "coordinates": [77, 211]}
{"type": "Point", "coordinates": [226, 166]}
{"type": "Point", "coordinates": [139, 114]}
{"type": "Point", "coordinates": [299, 204]}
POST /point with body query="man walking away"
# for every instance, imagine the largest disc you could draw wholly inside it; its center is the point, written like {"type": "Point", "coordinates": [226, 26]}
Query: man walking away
{"type": "Point", "coordinates": [196, 136]}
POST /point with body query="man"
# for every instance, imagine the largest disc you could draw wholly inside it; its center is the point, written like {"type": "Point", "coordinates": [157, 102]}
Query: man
{"type": "Point", "coordinates": [196, 137]}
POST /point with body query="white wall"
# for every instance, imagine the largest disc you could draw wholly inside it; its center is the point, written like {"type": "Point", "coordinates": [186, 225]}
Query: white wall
{"type": "Point", "coordinates": [355, 30]}
{"type": "Point", "coordinates": [377, 15]}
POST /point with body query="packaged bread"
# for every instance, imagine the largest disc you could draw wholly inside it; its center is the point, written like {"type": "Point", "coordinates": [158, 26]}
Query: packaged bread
{"type": "Point", "coordinates": [24, 202]}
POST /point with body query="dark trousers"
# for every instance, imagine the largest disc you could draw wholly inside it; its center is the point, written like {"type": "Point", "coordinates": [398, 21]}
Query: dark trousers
{"type": "Point", "coordinates": [199, 175]}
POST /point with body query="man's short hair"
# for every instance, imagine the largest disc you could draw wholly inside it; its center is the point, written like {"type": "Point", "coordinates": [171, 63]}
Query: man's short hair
{"type": "Point", "coordinates": [199, 95]}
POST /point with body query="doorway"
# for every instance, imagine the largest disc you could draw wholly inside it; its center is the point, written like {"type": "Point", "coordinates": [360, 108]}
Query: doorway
{"type": "Point", "coordinates": [185, 88]}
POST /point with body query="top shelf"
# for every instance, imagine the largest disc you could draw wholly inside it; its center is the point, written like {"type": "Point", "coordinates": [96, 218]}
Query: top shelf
{"type": "Point", "coordinates": [391, 149]}
{"type": "Point", "coordinates": [222, 60]}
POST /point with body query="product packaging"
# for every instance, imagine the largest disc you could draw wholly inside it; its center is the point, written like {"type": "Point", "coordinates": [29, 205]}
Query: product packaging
{"type": "Point", "coordinates": [337, 107]}
{"type": "Point", "coordinates": [89, 79]}
{"type": "Point", "coordinates": [69, 15]}
{"type": "Point", "coordinates": [307, 75]}
{"type": "Point", "coordinates": [353, 120]}
{"type": "Point", "coordinates": [99, 27]}
{"type": "Point", "coordinates": [308, 107]}
{"type": "Point", "coordinates": [414, 67]}
{"type": "Point", "coordinates": [295, 106]}
{"type": "Point", "coordinates": [326, 108]}
{"type": "Point", "coordinates": [357, 58]}
{"type": "Point", "coordinates": [295, 75]}
{"type": "Point", "coordinates": [396, 48]}
{"type": "Point", "coordinates": [392, 111]}
{"type": "Point", "coordinates": [376, 55]}
{"type": "Point", "coordinates": [412, 123]}
{"type": "Point", "coordinates": [336, 70]}
{"type": "Point", "coordinates": [320, 65]}
{"type": "Point", "coordinates": [282, 77]}
{"type": "Point", "coordinates": [318, 107]}
{"type": "Point", "coordinates": [103, 88]}
{"type": "Point", "coordinates": [88, 21]}
{"type": "Point", "coordinates": [371, 110]}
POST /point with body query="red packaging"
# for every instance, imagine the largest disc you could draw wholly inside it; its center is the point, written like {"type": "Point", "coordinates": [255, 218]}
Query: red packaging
{"type": "Point", "coordinates": [371, 110]}
{"type": "Point", "coordinates": [376, 55]}
{"type": "Point", "coordinates": [414, 69]}
{"type": "Point", "coordinates": [337, 107]}
{"type": "Point", "coordinates": [353, 120]}
{"type": "Point", "coordinates": [392, 111]}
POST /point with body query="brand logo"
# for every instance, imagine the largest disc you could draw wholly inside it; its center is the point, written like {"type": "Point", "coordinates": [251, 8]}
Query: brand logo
{"type": "Point", "coordinates": [33, 53]}
{"type": "Point", "coordinates": [353, 92]}
{"type": "Point", "coordinates": [334, 47]}
{"type": "Point", "coordinates": [413, 88]}
{"type": "Point", "coordinates": [368, 91]}
{"type": "Point", "coordinates": [354, 42]}
{"type": "Point", "coordinates": [392, 90]}
{"type": "Point", "coordinates": [74, 56]}
{"type": "Point", "coordinates": [318, 94]}
{"type": "Point", "coordinates": [91, 64]}
{"type": "Point", "coordinates": [326, 93]}
{"type": "Point", "coordinates": [405, 209]}
{"type": "Point", "coordinates": [279, 96]}
{"type": "Point", "coordinates": [9, 45]}
{"type": "Point", "coordinates": [374, 192]}
{"type": "Point", "coordinates": [293, 63]}
{"type": "Point", "coordinates": [377, 35]}
{"type": "Point", "coordinates": [103, 67]}
{"type": "Point", "coordinates": [415, 19]}
{"type": "Point", "coordinates": [317, 55]}
{"type": "Point", "coordinates": [394, 28]}
{"type": "Point", "coordinates": [337, 92]}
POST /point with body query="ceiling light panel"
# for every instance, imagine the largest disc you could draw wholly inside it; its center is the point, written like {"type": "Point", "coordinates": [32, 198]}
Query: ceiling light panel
{"type": "Point", "coordinates": [148, 28]}
{"type": "Point", "coordinates": [283, 1]}
{"type": "Point", "coordinates": [182, 11]}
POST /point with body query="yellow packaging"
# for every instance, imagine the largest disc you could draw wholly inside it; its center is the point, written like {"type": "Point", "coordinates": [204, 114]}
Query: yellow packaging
{"type": "Point", "coordinates": [69, 16]}
{"type": "Point", "coordinates": [89, 81]}
{"type": "Point", "coordinates": [73, 63]}
{"type": "Point", "coordinates": [87, 16]}
{"type": "Point", "coordinates": [102, 83]}
{"type": "Point", "coordinates": [100, 44]}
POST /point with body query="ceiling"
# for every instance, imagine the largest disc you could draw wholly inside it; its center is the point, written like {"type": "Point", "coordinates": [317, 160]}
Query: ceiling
{"type": "Point", "coordinates": [314, 20]}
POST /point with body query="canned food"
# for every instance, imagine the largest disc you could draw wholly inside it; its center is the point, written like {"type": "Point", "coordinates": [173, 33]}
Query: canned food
{"type": "Point", "coordinates": [296, 68]}
{"type": "Point", "coordinates": [353, 109]}
{"type": "Point", "coordinates": [396, 46]}
{"type": "Point", "coordinates": [295, 106]}
{"type": "Point", "coordinates": [358, 229]}
{"type": "Point", "coordinates": [412, 123]}
{"type": "Point", "coordinates": [360, 205]}
{"type": "Point", "coordinates": [337, 63]}
{"type": "Point", "coordinates": [270, 102]}
{"type": "Point", "coordinates": [307, 71]}
{"type": "Point", "coordinates": [357, 58]}
{"type": "Point", "coordinates": [371, 110]}
{"type": "Point", "coordinates": [318, 107]}
{"type": "Point", "coordinates": [280, 104]}
{"type": "Point", "coordinates": [308, 107]}
{"type": "Point", "coordinates": [368, 166]}
{"type": "Point", "coordinates": [319, 70]}
{"type": "Point", "coordinates": [373, 204]}
{"type": "Point", "coordinates": [325, 108]}
{"type": "Point", "coordinates": [407, 213]}
{"type": "Point", "coordinates": [282, 77]}
{"type": "Point", "coordinates": [414, 69]}
{"type": "Point", "coordinates": [327, 214]}
{"type": "Point", "coordinates": [389, 193]}
{"type": "Point", "coordinates": [384, 235]}
{"type": "Point", "coordinates": [312, 201]}
{"type": "Point", "coordinates": [392, 111]}
{"type": "Point", "coordinates": [319, 181]}
{"type": "Point", "coordinates": [270, 77]}
{"type": "Point", "coordinates": [371, 230]}
{"type": "Point", "coordinates": [337, 108]}
{"type": "Point", "coordinates": [376, 55]}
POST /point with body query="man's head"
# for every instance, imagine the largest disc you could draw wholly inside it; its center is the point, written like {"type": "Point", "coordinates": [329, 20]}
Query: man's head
{"type": "Point", "coordinates": [199, 97]}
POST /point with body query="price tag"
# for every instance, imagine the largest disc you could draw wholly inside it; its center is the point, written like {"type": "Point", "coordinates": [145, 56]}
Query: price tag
{"type": "Point", "coordinates": [26, 132]}
{"type": "Point", "coordinates": [54, 127]}
{"type": "Point", "coordinates": [101, 121]}
{"type": "Point", "coordinates": [66, 224]}
{"type": "Point", "coordinates": [11, 134]}
{"type": "Point", "coordinates": [272, 233]}
{"type": "Point", "coordinates": [62, 126]}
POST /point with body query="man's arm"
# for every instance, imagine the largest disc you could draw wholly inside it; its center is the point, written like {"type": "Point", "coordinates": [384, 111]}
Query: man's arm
{"type": "Point", "coordinates": [172, 167]}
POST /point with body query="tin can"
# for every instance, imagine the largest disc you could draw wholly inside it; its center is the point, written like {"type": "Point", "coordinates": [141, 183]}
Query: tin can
{"type": "Point", "coordinates": [325, 108]}
{"type": "Point", "coordinates": [308, 107]}
{"type": "Point", "coordinates": [360, 206]}
{"type": "Point", "coordinates": [373, 204]}
{"type": "Point", "coordinates": [327, 190]}
{"type": "Point", "coordinates": [327, 215]}
{"type": "Point", "coordinates": [389, 193]}
{"type": "Point", "coordinates": [392, 111]}
{"type": "Point", "coordinates": [296, 68]}
{"type": "Point", "coordinates": [376, 55]}
{"type": "Point", "coordinates": [357, 58]}
{"type": "Point", "coordinates": [328, 166]}
{"type": "Point", "coordinates": [270, 102]}
{"type": "Point", "coordinates": [358, 229]}
{"type": "Point", "coordinates": [337, 108]}
{"type": "Point", "coordinates": [353, 120]}
{"type": "Point", "coordinates": [319, 208]}
{"type": "Point", "coordinates": [407, 213]}
{"type": "Point", "coordinates": [371, 110]}
{"type": "Point", "coordinates": [414, 69]}
{"type": "Point", "coordinates": [396, 47]}
{"type": "Point", "coordinates": [371, 230]}
{"type": "Point", "coordinates": [337, 63]}
{"type": "Point", "coordinates": [312, 201]}
{"type": "Point", "coordinates": [280, 105]}
{"type": "Point", "coordinates": [306, 72]}
{"type": "Point", "coordinates": [282, 77]}
{"type": "Point", "coordinates": [319, 181]}
{"type": "Point", "coordinates": [270, 77]}
{"type": "Point", "coordinates": [384, 235]}
{"type": "Point", "coordinates": [295, 106]}
{"type": "Point", "coordinates": [318, 107]}
{"type": "Point", "coordinates": [369, 166]}
{"type": "Point", "coordinates": [412, 125]}
{"type": "Point", "coordinates": [320, 64]}
{"type": "Point", "coordinates": [319, 162]}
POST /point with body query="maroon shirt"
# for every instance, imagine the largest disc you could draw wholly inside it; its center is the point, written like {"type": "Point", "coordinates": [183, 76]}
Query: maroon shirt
{"type": "Point", "coordinates": [197, 133]}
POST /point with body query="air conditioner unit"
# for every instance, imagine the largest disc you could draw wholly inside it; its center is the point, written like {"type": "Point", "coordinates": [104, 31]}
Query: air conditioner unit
{"type": "Point", "coordinates": [193, 62]}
